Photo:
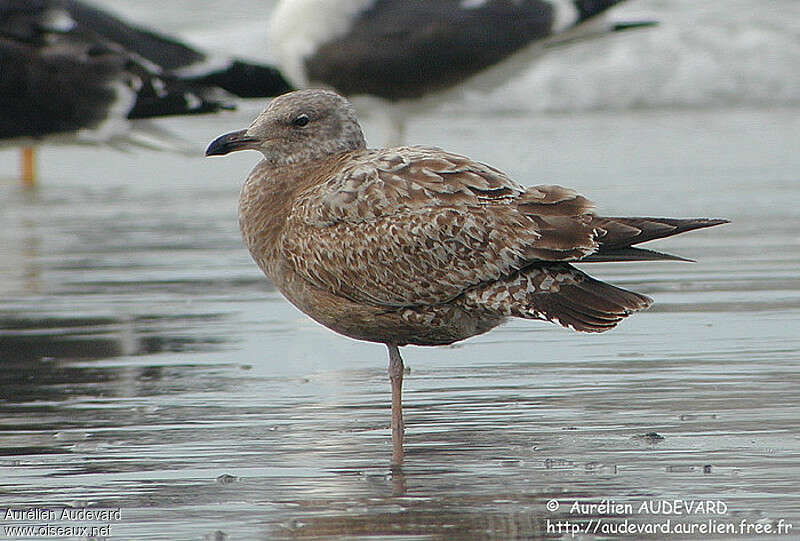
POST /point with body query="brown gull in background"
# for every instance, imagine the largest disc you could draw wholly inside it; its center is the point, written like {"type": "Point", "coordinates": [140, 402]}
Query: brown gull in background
{"type": "Point", "coordinates": [414, 245]}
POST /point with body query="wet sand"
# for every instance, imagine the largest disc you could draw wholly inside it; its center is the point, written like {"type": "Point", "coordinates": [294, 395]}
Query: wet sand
{"type": "Point", "coordinates": [148, 366]}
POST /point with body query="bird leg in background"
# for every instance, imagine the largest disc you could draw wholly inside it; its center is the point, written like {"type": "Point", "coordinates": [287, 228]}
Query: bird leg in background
{"type": "Point", "coordinates": [396, 377]}
{"type": "Point", "coordinates": [28, 166]}
{"type": "Point", "coordinates": [396, 135]}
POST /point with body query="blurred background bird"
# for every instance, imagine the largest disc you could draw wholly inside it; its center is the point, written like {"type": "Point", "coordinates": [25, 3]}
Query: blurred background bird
{"type": "Point", "coordinates": [414, 55]}
{"type": "Point", "coordinates": [75, 73]}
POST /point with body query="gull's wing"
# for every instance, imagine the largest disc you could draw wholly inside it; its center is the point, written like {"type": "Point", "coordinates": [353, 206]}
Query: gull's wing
{"type": "Point", "coordinates": [412, 225]}
{"type": "Point", "coordinates": [196, 69]}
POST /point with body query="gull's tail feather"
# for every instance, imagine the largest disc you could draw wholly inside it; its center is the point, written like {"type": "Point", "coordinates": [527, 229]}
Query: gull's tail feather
{"type": "Point", "coordinates": [590, 305]}
{"type": "Point", "coordinates": [559, 293]}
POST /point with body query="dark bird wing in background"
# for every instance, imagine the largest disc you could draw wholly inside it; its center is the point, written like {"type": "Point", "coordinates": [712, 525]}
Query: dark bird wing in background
{"type": "Point", "coordinates": [241, 78]}
{"type": "Point", "coordinates": [404, 50]}
{"type": "Point", "coordinates": [67, 66]}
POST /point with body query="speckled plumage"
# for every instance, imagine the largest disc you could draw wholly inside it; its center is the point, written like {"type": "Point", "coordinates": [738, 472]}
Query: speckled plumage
{"type": "Point", "coordinates": [414, 245]}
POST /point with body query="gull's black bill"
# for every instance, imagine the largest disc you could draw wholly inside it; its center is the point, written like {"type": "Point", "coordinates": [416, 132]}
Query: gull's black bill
{"type": "Point", "coordinates": [231, 142]}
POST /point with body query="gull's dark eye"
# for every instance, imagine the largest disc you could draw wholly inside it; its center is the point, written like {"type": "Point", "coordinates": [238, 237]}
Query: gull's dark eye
{"type": "Point", "coordinates": [301, 120]}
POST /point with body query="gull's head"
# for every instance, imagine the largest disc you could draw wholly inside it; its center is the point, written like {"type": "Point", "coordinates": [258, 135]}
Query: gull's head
{"type": "Point", "coordinates": [297, 127]}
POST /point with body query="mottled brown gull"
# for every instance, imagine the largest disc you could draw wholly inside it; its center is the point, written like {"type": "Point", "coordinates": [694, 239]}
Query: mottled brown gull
{"type": "Point", "coordinates": [414, 245]}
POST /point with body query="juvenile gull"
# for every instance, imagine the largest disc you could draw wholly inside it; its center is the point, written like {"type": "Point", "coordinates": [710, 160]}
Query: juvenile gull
{"type": "Point", "coordinates": [415, 245]}
{"type": "Point", "coordinates": [413, 54]}
{"type": "Point", "coordinates": [77, 73]}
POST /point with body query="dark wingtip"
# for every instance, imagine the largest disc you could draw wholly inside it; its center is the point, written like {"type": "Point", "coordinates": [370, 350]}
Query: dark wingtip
{"type": "Point", "coordinates": [632, 254]}
{"type": "Point", "coordinates": [701, 223]}
{"type": "Point", "coordinates": [622, 26]}
{"type": "Point", "coordinates": [248, 80]}
{"type": "Point", "coordinates": [620, 235]}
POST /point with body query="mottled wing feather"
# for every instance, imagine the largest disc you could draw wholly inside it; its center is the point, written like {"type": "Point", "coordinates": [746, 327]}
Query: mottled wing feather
{"type": "Point", "coordinates": [409, 226]}
{"type": "Point", "coordinates": [560, 293]}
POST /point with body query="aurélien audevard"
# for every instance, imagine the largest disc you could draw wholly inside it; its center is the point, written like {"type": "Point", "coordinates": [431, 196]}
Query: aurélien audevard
{"type": "Point", "coordinates": [75, 514]}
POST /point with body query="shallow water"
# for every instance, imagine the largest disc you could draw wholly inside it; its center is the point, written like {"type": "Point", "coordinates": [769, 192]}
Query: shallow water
{"type": "Point", "coordinates": [149, 367]}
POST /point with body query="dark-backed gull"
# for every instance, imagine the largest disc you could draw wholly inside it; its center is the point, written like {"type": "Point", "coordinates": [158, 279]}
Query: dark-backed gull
{"type": "Point", "coordinates": [74, 71]}
{"type": "Point", "coordinates": [414, 54]}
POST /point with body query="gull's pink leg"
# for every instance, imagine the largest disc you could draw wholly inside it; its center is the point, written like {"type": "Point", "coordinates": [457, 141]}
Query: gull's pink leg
{"type": "Point", "coordinates": [396, 378]}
